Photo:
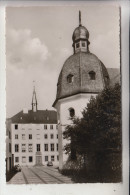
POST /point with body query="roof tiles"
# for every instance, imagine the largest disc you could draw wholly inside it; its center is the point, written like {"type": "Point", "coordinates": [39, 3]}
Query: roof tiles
{"type": "Point", "coordinates": [38, 117]}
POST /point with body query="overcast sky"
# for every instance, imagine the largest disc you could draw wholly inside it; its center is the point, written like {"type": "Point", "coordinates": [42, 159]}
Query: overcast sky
{"type": "Point", "coordinates": [39, 40]}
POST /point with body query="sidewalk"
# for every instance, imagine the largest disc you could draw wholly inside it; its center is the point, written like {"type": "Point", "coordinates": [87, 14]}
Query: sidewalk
{"type": "Point", "coordinates": [17, 179]}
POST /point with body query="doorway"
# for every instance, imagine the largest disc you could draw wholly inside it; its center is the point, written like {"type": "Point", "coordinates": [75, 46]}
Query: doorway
{"type": "Point", "coordinates": [38, 160]}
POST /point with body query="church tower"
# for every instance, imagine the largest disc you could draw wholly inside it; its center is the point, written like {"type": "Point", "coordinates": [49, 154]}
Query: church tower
{"type": "Point", "coordinates": [83, 75]}
{"type": "Point", "coordinates": [34, 101]}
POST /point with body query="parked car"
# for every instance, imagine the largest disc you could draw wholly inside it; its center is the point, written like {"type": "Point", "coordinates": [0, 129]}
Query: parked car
{"type": "Point", "coordinates": [49, 163]}
{"type": "Point", "coordinates": [17, 168]}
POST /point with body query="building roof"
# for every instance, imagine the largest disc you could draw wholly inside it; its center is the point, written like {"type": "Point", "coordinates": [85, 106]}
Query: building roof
{"type": "Point", "coordinates": [80, 33]}
{"type": "Point", "coordinates": [80, 65]}
{"type": "Point", "coordinates": [38, 117]}
{"type": "Point", "coordinates": [114, 75]}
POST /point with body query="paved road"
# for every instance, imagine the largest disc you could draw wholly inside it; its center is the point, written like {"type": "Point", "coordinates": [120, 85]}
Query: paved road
{"type": "Point", "coordinates": [39, 175]}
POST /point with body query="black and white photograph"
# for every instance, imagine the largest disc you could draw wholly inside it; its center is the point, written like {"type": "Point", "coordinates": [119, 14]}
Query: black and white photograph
{"type": "Point", "coordinates": [63, 95]}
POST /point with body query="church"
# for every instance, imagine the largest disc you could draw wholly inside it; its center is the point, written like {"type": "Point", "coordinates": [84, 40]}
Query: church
{"type": "Point", "coordinates": [83, 75]}
{"type": "Point", "coordinates": [34, 136]}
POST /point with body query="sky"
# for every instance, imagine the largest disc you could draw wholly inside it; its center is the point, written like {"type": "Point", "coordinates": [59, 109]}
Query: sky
{"type": "Point", "coordinates": [39, 40]}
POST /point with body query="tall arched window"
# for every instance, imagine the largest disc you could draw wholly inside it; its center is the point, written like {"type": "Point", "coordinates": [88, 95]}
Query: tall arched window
{"type": "Point", "coordinates": [71, 112]}
{"type": "Point", "coordinates": [70, 78]}
{"type": "Point", "coordinates": [92, 75]}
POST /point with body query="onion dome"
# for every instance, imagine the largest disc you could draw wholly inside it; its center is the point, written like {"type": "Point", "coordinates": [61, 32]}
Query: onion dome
{"type": "Point", "coordinates": [80, 33]}
{"type": "Point", "coordinates": [80, 38]}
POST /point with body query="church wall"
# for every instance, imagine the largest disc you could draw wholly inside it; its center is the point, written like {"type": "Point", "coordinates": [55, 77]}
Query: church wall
{"type": "Point", "coordinates": [78, 103]}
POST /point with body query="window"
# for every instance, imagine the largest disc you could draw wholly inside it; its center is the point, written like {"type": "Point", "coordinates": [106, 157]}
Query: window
{"type": "Point", "coordinates": [9, 147]}
{"type": "Point", "coordinates": [57, 146]}
{"type": "Point", "coordinates": [30, 159]}
{"type": "Point", "coordinates": [70, 78]}
{"type": "Point", "coordinates": [57, 136]}
{"type": "Point", "coordinates": [38, 136]}
{"type": "Point", "coordinates": [72, 112]}
{"type": "Point", "coordinates": [16, 148]}
{"type": "Point", "coordinates": [52, 147]}
{"type": "Point", "coordinates": [58, 158]}
{"type": "Point", "coordinates": [16, 126]}
{"type": "Point", "coordinates": [46, 158]}
{"type": "Point", "coordinates": [51, 126]}
{"type": "Point", "coordinates": [45, 136]}
{"type": "Point", "coordinates": [46, 147]}
{"type": "Point", "coordinates": [16, 136]}
{"type": "Point", "coordinates": [56, 126]}
{"type": "Point", "coordinates": [16, 159]}
{"type": "Point", "coordinates": [52, 158]}
{"type": "Point", "coordinates": [23, 136]}
{"type": "Point", "coordinates": [30, 147]}
{"type": "Point", "coordinates": [92, 75]}
{"type": "Point", "coordinates": [77, 45]}
{"type": "Point", "coordinates": [23, 147]}
{"type": "Point", "coordinates": [83, 44]}
{"type": "Point", "coordinates": [30, 136]}
{"type": "Point", "coordinates": [52, 136]}
{"type": "Point", "coordinates": [23, 159]}
{"type": "Point", "coordinates": [45, 126]}
{"type": "Point", "coordinates": [38, 147]}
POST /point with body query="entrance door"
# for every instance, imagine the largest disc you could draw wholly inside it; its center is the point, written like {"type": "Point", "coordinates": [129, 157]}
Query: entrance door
{"type": "Point", "coordinates": [38, 160]}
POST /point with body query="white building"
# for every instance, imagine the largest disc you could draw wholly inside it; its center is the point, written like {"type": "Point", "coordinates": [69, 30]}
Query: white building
{"type": "Point", "coordinates": [34, 136]}
{"type": "Point", "coordinates": [83, 75]}
{"type": "Point", "coordinates": [9, 159]}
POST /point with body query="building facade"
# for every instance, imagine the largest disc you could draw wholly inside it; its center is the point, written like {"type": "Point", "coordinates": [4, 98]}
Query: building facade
{"type": "Point", "coordinates": [9, 158]}
{"type": "Point", "coordinates": [83, 75]}
{"type": "Point", "coordinates": [34, 136]}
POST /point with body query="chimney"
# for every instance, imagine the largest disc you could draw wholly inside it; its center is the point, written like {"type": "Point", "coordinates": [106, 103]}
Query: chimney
{"type": "Point", "coordinates": [25, 111]}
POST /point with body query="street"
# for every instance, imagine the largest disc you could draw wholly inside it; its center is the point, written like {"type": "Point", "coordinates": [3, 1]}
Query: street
{"type": "Point", "coordinates": [39, 175]}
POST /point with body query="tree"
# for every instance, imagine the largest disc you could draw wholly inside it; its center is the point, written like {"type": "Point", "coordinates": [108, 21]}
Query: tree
{"type": "Point", "coordinates": [97, 135]}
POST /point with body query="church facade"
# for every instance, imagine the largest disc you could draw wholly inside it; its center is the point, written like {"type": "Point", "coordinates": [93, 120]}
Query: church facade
{"type": "Point", "coordinates": [83, 75]}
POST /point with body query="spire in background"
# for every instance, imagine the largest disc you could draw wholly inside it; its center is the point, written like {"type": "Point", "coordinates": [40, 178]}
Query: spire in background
{"type": "Point", "coordinates": [34, 99]}
{"type": "Point", "coordinates": [80, 18]}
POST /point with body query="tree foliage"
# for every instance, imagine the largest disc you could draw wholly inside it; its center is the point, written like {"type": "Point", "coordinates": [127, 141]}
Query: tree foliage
{"type": "Point", "coordinates": [98, 133]}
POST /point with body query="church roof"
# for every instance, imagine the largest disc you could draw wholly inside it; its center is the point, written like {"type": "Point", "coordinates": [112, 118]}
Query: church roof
{"type": "Point", "coordinates": [83, 72]}
{"type": "Point", "coordinates": [38, 117]}
{"type": "Point", "coordinates": [80, 33]}
{"type": "Point", "coordinates": [80, 65]}
{"type": "Point", "coordinates": [114, 75]}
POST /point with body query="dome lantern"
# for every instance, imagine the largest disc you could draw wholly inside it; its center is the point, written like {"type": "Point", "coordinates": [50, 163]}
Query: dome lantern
{"type": "Point", "coordinates": [80, 38]}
